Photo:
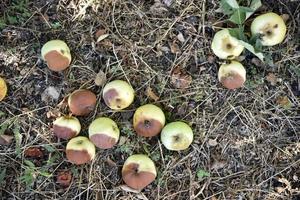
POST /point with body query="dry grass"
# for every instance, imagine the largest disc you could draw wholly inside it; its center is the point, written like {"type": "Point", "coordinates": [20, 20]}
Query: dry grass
{"type": "Point", "coordinates": [257, 140]}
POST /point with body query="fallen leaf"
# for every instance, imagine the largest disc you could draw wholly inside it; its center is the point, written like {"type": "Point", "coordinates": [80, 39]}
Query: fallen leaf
{"type": "Point", "coordinates": [218, 165]}
{"type": "Point", "coordinates": [110, 162]}
{"type": "Point", "coordinates": [211, 59]}
{"type": "Point", "coordinates": [174, 47]}
{"type": "Point", "coordinates": [284, 102]}
{"type": "Point", "coordinates": [51, 93]}
{"type": "Point", "coordinates": [33, 152]}
{"type": "Point", "coordinates": [285, 17]}
{"type": "Point", "coordinates": [212, 142]}
{"type": "Point", "coordinates": [100, 78]}
{"type": "Point", "coordinates": [158, 8]}
{"type": "Point", "coordinates": [151, 94]}
{"type": "Point", "coordinates": [180, 78]}
{"type": "Point", "coordinates": [272, 79]}
{"type": "Point", "coordinates": [129, 189]}
{"type": "Point", "coordinates": [6, 139]}
{"type": "Point", "coordinates": [102, 37]}
{"type": "Point", "coordinates": [100, 32]}
{"type": "Point", "coordinates": [280, 189]}
{"type": "Point", "coordinates": [257, 62]}
{"type": "Point", "coordinates": [64, 178]}
{"type": "Point", "coordinates": [180, 37]}
{"type": "Point", "coordinates": [54, 113]}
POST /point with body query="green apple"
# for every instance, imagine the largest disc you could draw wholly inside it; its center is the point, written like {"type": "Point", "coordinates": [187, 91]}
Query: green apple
{"type": "Point", "coordinates": [57, 55]}
{"type": "Point", "coordinates": [232, 75]}
{"type": "Point", "coordinates": [270, 27]}
{"type": "Point", "coordinates": [66, 127]}
{"type": "Point", "coordinates": [81, 102]}
{"type": "Point", "coordinates": [148, 120]}
{"type": "Point", "coordinates": [177, 136]}
{"type": "Point", "coordinates": [225, 46]}
{"type": "Point", "coordinates": [138, 171]}
{"type": "Point", "coordinates": [118, 94]}
{"type": "Point", "coordinates": [104, 132]}
{"type": "Point", "coordinates": [80, 150]}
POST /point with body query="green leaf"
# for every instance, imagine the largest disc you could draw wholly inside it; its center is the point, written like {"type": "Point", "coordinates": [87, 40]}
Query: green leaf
{"type": "Point", "coordinates": [226, 8]}
{"type": "Point", "coordinates": [12, 19]}
{"type": "Point", "coordinates": [29, 164]}
{"type": "Point", "coordinates": [49, 148]}
{"type": "Point", "coordinates": [3, 128]}
{"type": "Point", "coordinates": [238, 33]}
{"type": "Point", "coordinates": [202, 173]}
{"type": "Point", "coordinates": [238, 17]}
{"type": "Point", "coordinates": [250, 48]}
{"type": "Point", "coordinates": [18, 137]}
{"type": "Point", "coordinates": [2, 175]}
{"type": "Point", "coordinates": [45, 173]}
{"type": "Point", "coordinates": [232, 3]}
{"type": "Point", "coordinates": [255, 4]}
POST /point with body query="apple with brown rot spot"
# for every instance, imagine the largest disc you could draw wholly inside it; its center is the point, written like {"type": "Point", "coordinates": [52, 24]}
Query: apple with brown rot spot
{"type": "Point", "coordinates": [66, 127]}
{"type": "Point", "coordinates": [148, 120]}
{"type": "Point", "coordinates": [138, 171]}
{"type": "Point", "coordinates": [232, 75]}
{"type": "Point", "coordinates": [118, 94]}
{"type": "Point", "coordinates": [104, 132]}
{"type": "Point", "coordinates": [81, 102]}
{"type": "Point", "coordinates": [57, 55]}
{"type": "Point", "coordinates": [80, 150]}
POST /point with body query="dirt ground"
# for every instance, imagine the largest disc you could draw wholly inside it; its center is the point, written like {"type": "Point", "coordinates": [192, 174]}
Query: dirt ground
{"type": "Point", "coordinates": [246, 143]}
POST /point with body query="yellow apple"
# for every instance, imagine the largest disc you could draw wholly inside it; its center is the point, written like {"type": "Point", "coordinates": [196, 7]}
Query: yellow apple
{"type": "Point", "coordinates": [177, 136]}
{"type": "Point", "coordinates": [225, 46]}
{"type": "Point", "coordinates": [270, 27]}
{"type": "Point", "coordinates": [3, 89]}
{"type": "Point", "coordinates": [81, 102]}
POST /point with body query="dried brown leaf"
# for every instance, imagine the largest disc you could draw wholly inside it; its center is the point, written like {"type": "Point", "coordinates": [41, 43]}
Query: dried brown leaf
{"type": "Point", "coordinates": [284, 102]}
{"type": "Point", "coordinates": [151, 94]}
{"type": "Point", "coordinates": [272, 79]}
{"type": "Point", "coordinates": [174, 47]}
{"type": "Point", "coordinates": [64, 178]}
{"type": "Point", "coordinates": [100, 78]}
{"type": "Point", "coordinates": [180, 78]}
{"type": "Point", "coordinates": [212, 142]}
{"type": "Point", "coordinates": [34, 152]}
{"type": "Point", "coordinates": [285, 17]}
{"type": "Point", "coordinates": [218, 165]}
{"type": "Point", "coordinates": [6, 139]}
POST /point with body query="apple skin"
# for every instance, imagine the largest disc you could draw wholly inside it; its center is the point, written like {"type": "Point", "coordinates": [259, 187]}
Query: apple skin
{"type": "Point", "coordinates": [225, 46]}
{"type": "Point", "coordinates": [3, 89]}
{"type": "Point", "coordinates": [57, 55]}
{"type": "Point", "coordinates": [177, 136]}
{"type": "Point", "coordinates": [81, 102]}
{"type": "Point", "coordinates": [104, 133]}
{"type": "Point", "coordinates": [118, 94]}
{"type": "Point", "coordinates": [138, 171]}
{"type": "Point", "coordinates": [232, 75]}
{"type": "Point", "coordinates": [148, 120]}
{"type": "Point", "coordinates": [66, 127]}
{"type": "Point", "coordinates": [80, 150]}
{"type": "Point", "coordinates": [271, 28]}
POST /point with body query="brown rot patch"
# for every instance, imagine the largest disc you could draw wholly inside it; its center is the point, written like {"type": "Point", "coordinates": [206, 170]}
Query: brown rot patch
{"type": "Point", "coordinates": [82, 102]}
{"type": "Point", "coordinates": [63, 132]}
{"type": "Point", "coordinates": [56, 61]}
{"type": "Point", "coordinates": [103, 141]}
{"type": "Point", "coordinates": [78, 157]}
{"type": "Point", "coordinates": [135, 179]}
{"type": "Point", "coordinates": [232, 81]}
{"type": "Point", "coordinates": [148, 127]}
{"type": "Point", "coordinates": [111, 96]}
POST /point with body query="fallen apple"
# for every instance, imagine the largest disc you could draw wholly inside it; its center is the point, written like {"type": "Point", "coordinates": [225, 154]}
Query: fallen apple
{"type": "Point", "coordinates": [177, 136]}
{"type": "Point", "coordinates": [232, 75]}
{"type": "Point", "coordinates": [118, 94]}
{"type": "Point", "coordinates": [81, 102]}
{"type": "Point", "coordinates": [57, 55]}
{"type": "Point", "coordinates": [66, 127]}
{"type": "Point", "coordinates": [148, 120]}
{"type": "Point", "coordinates": [3, 89]}
{"type": "Point", "coordinates": [80, 150]}
{"type": "Point", "coordinates": [104, 132]}
{"type": "Point", "coordinates": [270, 27]}
{"type": "Point", "coordinates": [225, 46]}
{"type": "Point", "coordinates": [138, 171]}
